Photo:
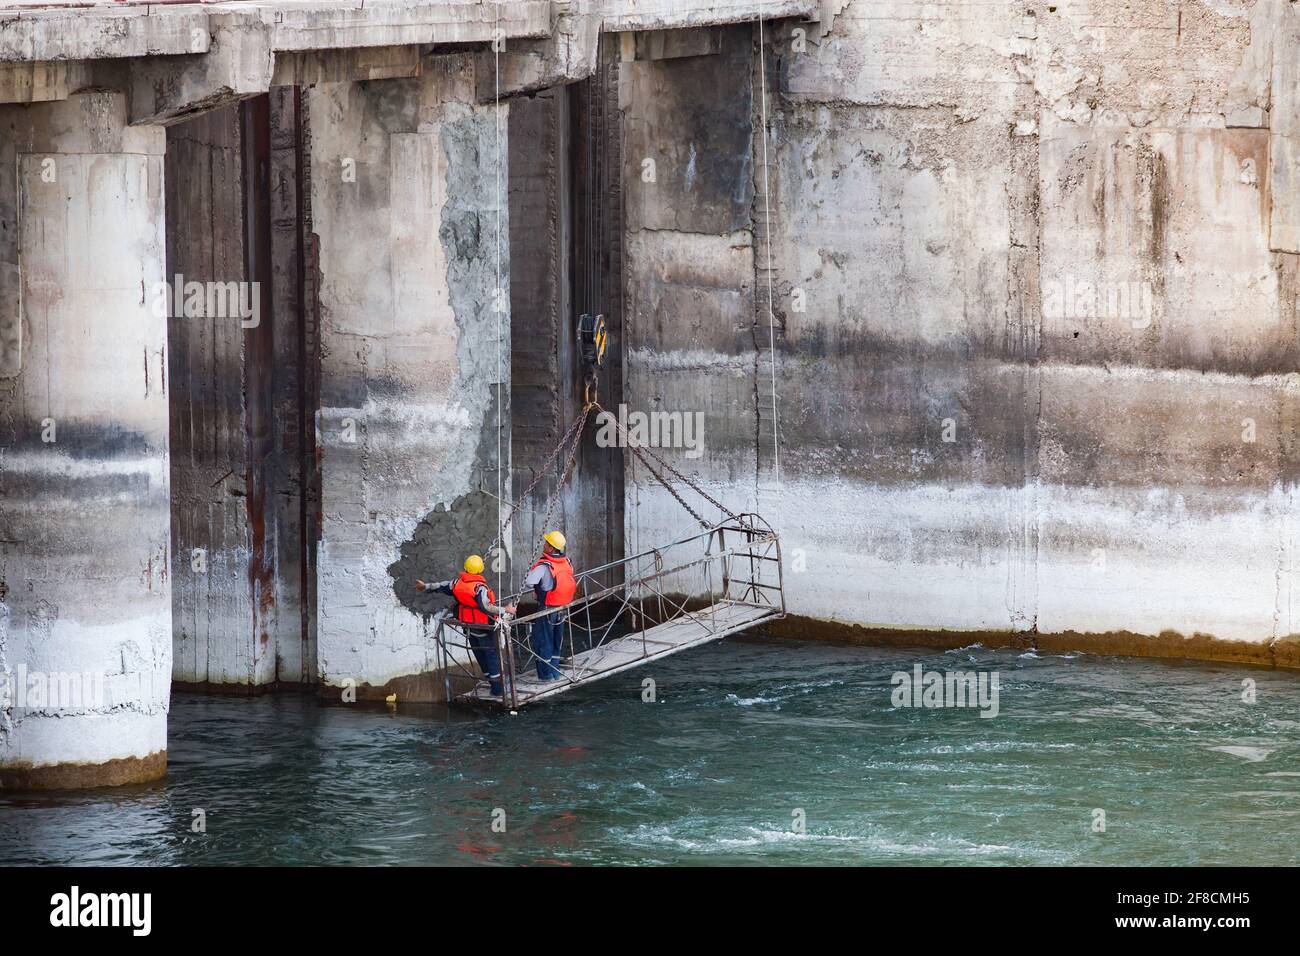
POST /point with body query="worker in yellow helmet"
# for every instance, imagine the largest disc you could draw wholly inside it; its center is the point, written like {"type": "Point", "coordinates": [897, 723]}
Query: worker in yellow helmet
{"type": "Point", "coordinates": [477, 611]}
{"type": "Point", "coordinates": [554, 583]}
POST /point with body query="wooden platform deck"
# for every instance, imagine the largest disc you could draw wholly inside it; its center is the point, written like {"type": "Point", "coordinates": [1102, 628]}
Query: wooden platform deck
{"type": "Point", "coordinates": [624, 653]}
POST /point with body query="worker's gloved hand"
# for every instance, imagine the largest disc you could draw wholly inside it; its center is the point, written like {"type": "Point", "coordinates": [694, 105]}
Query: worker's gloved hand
{"type": "Point", "coordinates": [420, 585]}
{"type": "Point", "coordinates": [511, 608]}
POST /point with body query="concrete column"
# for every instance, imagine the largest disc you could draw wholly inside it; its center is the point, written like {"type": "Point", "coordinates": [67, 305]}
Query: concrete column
{"type": "Point", "coordinates": [414, 359]}
{"type": "Point", "coordinates": [85, 594]}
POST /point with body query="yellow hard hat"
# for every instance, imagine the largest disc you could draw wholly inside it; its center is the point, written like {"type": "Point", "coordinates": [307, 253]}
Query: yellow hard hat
{"type": "Point", "coordinates": [474, 564]}
{"type": "Point", "coordinates": [555, 539]}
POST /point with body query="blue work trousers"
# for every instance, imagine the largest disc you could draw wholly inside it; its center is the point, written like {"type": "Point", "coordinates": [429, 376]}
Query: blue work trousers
{"type": "Point", "coordinates": [484, 646]}
{"type": "Point", "coordinates": [547, 637]}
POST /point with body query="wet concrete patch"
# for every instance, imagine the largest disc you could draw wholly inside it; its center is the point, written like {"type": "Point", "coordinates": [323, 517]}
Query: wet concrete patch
{"type": "Point", "coordinates": [439, 546]}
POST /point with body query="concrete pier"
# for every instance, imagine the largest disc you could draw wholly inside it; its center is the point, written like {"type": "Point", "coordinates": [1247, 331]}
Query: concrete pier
{"type": "Point", "coordinates": [85, 576]}
{"type": "Point", "coordinates": [415, 360]}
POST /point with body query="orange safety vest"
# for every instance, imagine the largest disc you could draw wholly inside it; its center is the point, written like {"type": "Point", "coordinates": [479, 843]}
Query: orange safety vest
{"type": "Point", "coordinates": [565, 583]}
{"type": "Point", "coordinates": [467, 609]}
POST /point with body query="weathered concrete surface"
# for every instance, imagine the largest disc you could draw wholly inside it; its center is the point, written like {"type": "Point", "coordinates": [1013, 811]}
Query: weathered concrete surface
{"type": "Point", "coordinates": [567, 53]}
{"type": "Point", "coordinates": [53, 31]}
{"type": "Point", "coordinates": [213, 612]}
{"type": "Point", "coordinates": [118, 31]}
{"type": "Point", "coordinates": [622, 15]}
{"type": "Point", "coordinates": [39, 82]}
{"type": "Point", "coordinates": [690, 268]}
{"type": "Point", "coordinates": [101, 32]}
{"type": "Point", "coordinates": [85, 586]}
{"type": "Point", "coordinates": [236, 60]}
{"type": "Point", "coordinates": [414, 356]}
{"type": "Point", "coordinates": [238, 395]}
{"type": "Point", "coordinates": [543, 367]}
{"type": "Point", "coordinates": [326, 25]}
{"type": "Point", "coordinates": [1049, 234]}
{"type": "Point", "coordinates": [184, 59]}
{"type": "Point", "coordinates": [310, 67]}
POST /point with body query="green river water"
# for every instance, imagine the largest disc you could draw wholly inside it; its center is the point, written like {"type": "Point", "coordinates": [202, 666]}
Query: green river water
{"type": "Point", "coordinates": [746, 739]}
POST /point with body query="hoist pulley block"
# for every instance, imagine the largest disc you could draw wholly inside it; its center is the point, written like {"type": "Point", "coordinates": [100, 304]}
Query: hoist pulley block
{"type": "Point", "coordinates": [594, 337]}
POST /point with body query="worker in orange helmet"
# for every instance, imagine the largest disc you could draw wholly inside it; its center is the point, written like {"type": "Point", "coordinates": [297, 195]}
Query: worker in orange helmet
{"type": "Point", "coordinates": [477, 611]}
{"type": "Point", "coordinates": [554, 583]}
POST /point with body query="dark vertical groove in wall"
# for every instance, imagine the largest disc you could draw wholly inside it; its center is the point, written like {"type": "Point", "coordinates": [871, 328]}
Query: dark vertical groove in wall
{"type": "Point", "coordinates": [597, 218]}
{"type": "Point", "coordinates": [205, 238]}
{"type": "Point", "coordinates": [255, 119]}
{"type": "Point", "coordinates": [582, 176]}
{"type": "Point", "coordinates": [578, 159]}
{"type": "Point", "coordinates": [539, 293]}
{"type": "Point", "coordinates": [312, 377]}
{"type": "Point", "coordinates": [566, 258]}
{"type": "Point", "coordinates": [307, 363]}
{"type": "Point", "coordinates": [300, 316]}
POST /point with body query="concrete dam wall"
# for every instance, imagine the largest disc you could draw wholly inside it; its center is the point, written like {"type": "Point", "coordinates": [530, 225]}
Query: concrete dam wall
{"type": "Point", "coordinates": [994, 322]}
{"type": "Point", "coordinates": [1034, 273]}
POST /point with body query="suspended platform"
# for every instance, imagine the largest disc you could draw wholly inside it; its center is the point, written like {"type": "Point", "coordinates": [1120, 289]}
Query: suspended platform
{"type": "Point", "coordinates": [723, 580]}
{"type": "Point", "coordinates": [624, 653]}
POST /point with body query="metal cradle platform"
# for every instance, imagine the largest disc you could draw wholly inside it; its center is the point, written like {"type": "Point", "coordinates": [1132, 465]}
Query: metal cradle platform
{"type": "Point", "coordinates": [721, 581]}
{"type": "Point", "coordinates": [620, 654]}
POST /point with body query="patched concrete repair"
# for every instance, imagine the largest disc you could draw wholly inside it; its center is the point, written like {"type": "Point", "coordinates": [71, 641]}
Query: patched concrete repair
{"type": "Point", "coordinates": [440, 544]}
{"type": "Point", "coordinates": [1030, 374]}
